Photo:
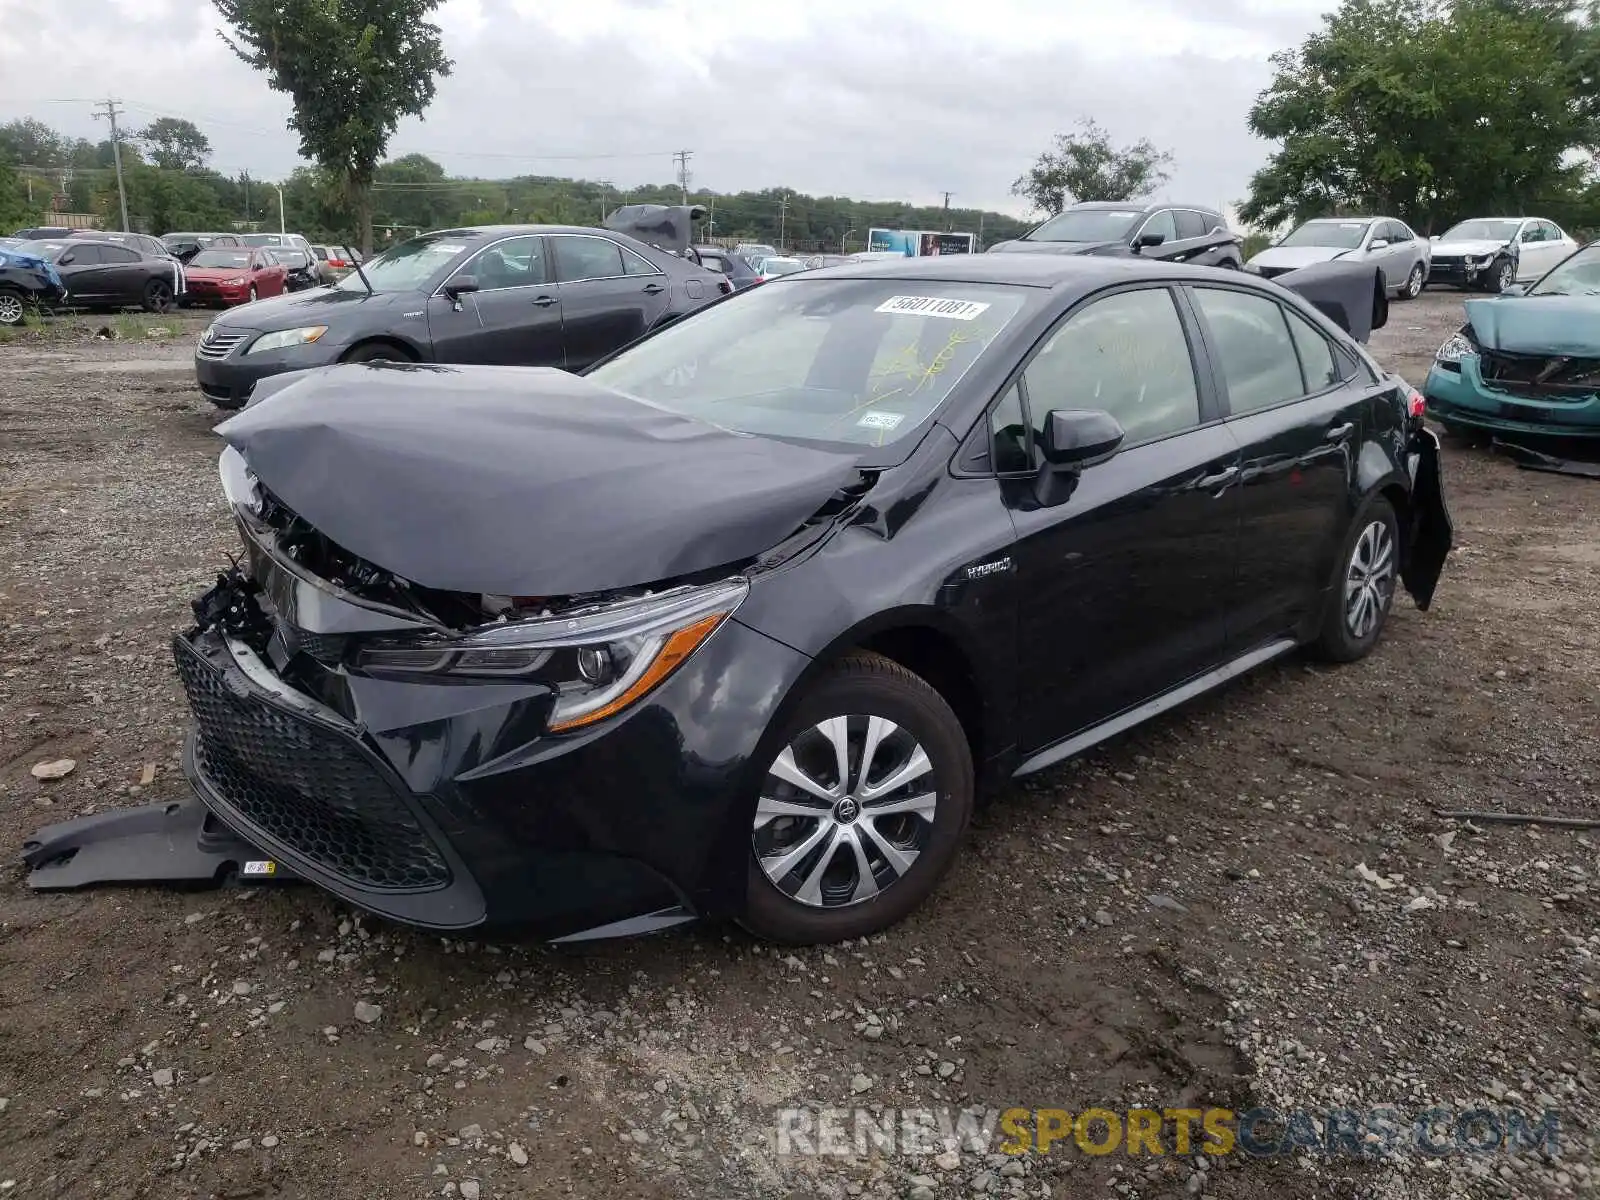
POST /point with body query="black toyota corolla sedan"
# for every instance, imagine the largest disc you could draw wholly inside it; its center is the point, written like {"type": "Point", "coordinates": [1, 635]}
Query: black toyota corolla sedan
{"type": "Point", "coordinates": [735, 624]}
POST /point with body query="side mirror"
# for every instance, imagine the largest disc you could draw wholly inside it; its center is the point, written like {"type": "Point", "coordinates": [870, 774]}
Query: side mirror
{"type": "Point", "coordinates": [1433, 237]}
{"type": "Point", "coordinates": [65, 260]}
{"type": "Point", "coordinates": [460, 286]}
{"type": "Point", "coordinates": [1516, 289]}
{"type": "Point", "coordinates": [1147, 240]}
{"type": "Point", "coordinates": [1377, 243]}
{"type": "Point", "coordinates": [1075, 438]}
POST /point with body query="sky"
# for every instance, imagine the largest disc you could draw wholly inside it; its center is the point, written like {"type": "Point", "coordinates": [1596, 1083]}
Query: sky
{"type": "Point", "coordinates": [872, 99]}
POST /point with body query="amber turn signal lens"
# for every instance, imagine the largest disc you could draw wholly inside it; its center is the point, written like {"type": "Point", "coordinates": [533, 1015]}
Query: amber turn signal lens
{"type": "Point", "coordinates": [676, 649]}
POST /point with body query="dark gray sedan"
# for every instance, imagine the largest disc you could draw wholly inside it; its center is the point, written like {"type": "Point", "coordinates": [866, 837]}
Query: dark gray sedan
{"type": "Point", "coordinates": [529, 295]}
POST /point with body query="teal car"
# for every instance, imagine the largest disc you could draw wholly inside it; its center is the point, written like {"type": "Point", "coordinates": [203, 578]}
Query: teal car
{"type": "Point", "coordinates": [1527, 362]}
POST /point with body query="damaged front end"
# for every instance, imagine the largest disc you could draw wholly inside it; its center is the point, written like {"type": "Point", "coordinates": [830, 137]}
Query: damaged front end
{"type": "Point", "coordinates": [343, 715]}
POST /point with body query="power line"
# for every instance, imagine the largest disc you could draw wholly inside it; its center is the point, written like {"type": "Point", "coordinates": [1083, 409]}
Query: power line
{"type": "Point", "coordinates": [111, 114]}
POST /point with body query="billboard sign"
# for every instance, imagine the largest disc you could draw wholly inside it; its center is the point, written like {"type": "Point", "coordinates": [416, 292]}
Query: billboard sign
{"type": "Point", "coordinates": [915, 243]}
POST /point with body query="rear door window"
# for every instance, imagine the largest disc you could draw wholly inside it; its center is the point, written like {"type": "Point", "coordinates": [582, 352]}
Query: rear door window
{"type": "Point", "coordinates": [1250, 338]}
{"type": "Point", "coordinates": [579, 257]}
{"type": "Point", "coordinates": [1190, 224]}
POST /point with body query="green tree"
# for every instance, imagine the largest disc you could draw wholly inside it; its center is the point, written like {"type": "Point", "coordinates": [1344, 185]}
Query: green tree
{"type": "Point", "coordinates": [175, 144]}
{"type": "Point", "coordinates": [1428, 109]}
{"type": "Point", "coordinates": [1086, 166]}
{"type": "Point", "coordinates": [352, 69]}
{"type": "Point", "coordinates": [26, 142]}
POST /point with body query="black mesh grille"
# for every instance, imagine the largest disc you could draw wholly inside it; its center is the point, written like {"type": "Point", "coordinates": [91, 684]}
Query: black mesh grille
{"type": "Point", "coordinates": [324, 647]}
{"type": "Point", "coordinates": [306, 786]}
{"type": "Point", "coordinates": [1552, 377]}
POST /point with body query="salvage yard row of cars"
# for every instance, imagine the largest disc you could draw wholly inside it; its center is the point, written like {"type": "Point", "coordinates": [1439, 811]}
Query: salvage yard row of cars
{"type": "Point", "coordinates": [733, 617]}
{"type": "Point", "coordinates": [49, 268]}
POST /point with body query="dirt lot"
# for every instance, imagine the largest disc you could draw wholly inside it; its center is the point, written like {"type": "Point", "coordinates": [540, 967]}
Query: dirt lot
{"type": "Point", "coordinates": [1176, 919]}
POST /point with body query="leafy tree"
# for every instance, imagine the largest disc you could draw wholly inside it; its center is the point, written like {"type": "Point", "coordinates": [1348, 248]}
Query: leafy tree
{"type": "Point", "coordinates": [1429, 110]}
{"type": "Point", "coordinates": [1086, 166]}
{"type": "Point", "coordinates": [175, 144]}
{"type": "Point", "coordinates": [352, 68]}
{"type": "Point", "coordinates": [29, 143]}
{"type": "Point", "coordinates": [15, 211]}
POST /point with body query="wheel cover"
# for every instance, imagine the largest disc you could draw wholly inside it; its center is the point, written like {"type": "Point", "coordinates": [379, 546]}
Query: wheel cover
{"type": "Point", "coordinates": [10, 309]}
{"type": "Point", "coordinates": [1505, 275]}
{"type": "Point", "coordinates": [845, 809]}
{"type": "Point", "coordinates": [1414, 286]}
{"type": "Point", "coordinates": [1369, 583]}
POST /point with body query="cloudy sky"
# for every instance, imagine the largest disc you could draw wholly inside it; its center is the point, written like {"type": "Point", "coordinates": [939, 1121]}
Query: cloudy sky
{"type": "Point", "coordinates": [876, 99]}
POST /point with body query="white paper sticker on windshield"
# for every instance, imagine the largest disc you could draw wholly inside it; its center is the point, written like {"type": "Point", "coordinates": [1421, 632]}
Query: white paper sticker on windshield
{"type": "Point", "coordinates": [932, 306]}
{"type": "Point", "coordinates": [873, 419]}
{"type": "Point", "coordinates": [444, 248]}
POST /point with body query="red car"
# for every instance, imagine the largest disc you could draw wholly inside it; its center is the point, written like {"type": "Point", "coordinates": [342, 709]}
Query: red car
{"type": "Point", "coordinates": [235, 276]}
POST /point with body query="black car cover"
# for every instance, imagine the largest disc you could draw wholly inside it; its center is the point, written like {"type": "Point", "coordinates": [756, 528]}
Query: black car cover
{"type": "Point", "coordinates": [668, 227]}
{"type": "Point", "coordinates": [523, 481]}
{"type": "Point", "coordinates": [1350, 294]}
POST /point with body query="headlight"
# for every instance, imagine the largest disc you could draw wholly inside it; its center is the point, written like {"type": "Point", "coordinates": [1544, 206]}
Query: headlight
{"type": "Point", "coordinates": [234, 282]}
{"type": "Point", "coordinates": [599, 661]}
{"type": "Point", "coordinates": [285, 338]}
{"type": "Point", "coordinates": [1486, 259]}
{"type": "Point", "coordinates": [1456, 347]}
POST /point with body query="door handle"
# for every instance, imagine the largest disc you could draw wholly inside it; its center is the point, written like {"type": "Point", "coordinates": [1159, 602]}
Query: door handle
{"type": "Point", "coordinates": [651, 289]}
{"type": "Point", "coordinates": [1225, 476]}
{"type": "Point", "coordinates": [1339, 432]}
{"type": "Point", "coordinates": [544, 301]}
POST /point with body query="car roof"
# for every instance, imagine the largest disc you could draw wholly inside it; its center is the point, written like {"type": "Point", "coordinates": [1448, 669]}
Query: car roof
{"type": "Point", "coordinates": [1084, 271]}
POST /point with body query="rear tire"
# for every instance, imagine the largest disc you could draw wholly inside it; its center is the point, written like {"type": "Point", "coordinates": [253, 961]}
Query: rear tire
{"type": "Point", "coordinates": [1413, 284]}
{"type": "Point", "coordinates": [834, 858]}
{"type": "Point", "coordinates": [1364, 585]}
{"type": "Point", "coordinates": [157, 296]}
{"type": "Point", "coordinates": [13, 306]}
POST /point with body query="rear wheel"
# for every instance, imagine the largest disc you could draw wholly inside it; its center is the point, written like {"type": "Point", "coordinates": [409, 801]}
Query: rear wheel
{"type": "Point", "coordinates": [1363, 591]}
{"type": "Point", "coordinates": [13, 308]}
{"type": "Point", "coordinates": [1413, 285]}
{"type": "Point", "coordinates": [862, 806]}
{"type": "Point", "coordinates": [157, 296]}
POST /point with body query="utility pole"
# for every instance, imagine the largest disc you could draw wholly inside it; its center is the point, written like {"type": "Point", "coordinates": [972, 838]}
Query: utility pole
{"type": "Point", "coordinates": [682, 158]}
{"type": "Point", "coordinates": [977, 245]}
{"type": "Point", "coordinates": [279, 188]}
{"type": "Point", "coordinates": [783, 217]}
{"type": "Point", "coordinates": [111, 113]}
{"type": "Point", "coordinates": [947, 212]}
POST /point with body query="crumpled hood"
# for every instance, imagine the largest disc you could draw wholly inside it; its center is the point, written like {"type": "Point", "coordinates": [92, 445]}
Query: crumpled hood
{"type": "Point", "coordinates": [1024, 246]}
{"type": "Point", "coordinates": [668, 227]}
{"type": "Point", "coordinates": [520, 481]}
{"type": "Point", "coordinates": [1468, 249]}
{"type": "Point", "coordinates": [31, 262]}
{"type": "Point", "coordinates": [216, 274]}
{"type": "Point", "coordinates": [1537, 324]}
{"type": "Point", "coordinates": [1292, 258]}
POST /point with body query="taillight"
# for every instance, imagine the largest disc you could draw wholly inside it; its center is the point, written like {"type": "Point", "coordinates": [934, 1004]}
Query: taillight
{"type": "Point", "coordinates": [725, 287]}
{"type": "Point", "coordinates": [1416, 404]}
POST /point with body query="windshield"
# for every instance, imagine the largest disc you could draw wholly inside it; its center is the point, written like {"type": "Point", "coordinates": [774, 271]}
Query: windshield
{"type": "Point", "coordinates": [406, 267]}
{"type": "Point", "coordinates": [1482, 231]}
{"type": "Point", "coordinates": [1341, 235]}
{"type": "Point", "coordinates": [1088, 225]}
{"type": "Point", "coordinates": [781, 266]}
{"type": "Point", "coordinates": [221, 258]}
{"type": "Point", "coordinates": [264, 239]}
{"type": "Point", "coordinates": [1578, 275]}
{"type": "Point", "coordinates": [853, 361]}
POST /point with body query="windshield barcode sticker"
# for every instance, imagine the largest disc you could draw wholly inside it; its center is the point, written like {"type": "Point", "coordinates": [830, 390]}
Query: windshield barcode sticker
{"type": "Point", "coordinates": [874, 419]}
{"type": "Point", "coordinates": [932, 306]}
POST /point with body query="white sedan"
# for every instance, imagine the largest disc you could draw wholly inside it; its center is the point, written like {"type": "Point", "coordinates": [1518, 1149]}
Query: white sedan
{"type": "Point", "coordinates": [1493, 253]}
{"type": "Point", "coordinates": [1391, 244]}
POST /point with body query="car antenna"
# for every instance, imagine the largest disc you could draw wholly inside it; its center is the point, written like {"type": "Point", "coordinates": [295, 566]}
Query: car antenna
{"type": "Point", "coordinates": [357, 262]}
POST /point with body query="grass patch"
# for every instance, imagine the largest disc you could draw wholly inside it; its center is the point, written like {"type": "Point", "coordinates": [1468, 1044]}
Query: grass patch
{"type": "Point", "coordinates": [143, 327]}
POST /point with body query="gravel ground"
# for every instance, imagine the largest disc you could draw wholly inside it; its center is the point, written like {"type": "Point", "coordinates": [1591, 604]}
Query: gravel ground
{"type": "Point", "coordinates": [1248, 902]}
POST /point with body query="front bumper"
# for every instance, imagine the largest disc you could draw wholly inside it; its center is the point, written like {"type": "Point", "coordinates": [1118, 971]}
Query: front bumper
{"type": "Point", "coordinates": [211, 293]}
{"type": "Point", "coordinates": [1461, 397]}
{"type": "Point", "coordinates": [1462, 272]}
{"type": "Point", "coordinates": [227, 381]}
{"type": "Point", "coordinates": [447, 807]}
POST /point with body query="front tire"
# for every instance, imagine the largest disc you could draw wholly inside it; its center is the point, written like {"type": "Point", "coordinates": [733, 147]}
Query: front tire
{"type": "Point", "coordinates": [377, 352]}
{"type": "Point", "coordinates": [862, 807]}
{"type": "Point", "coordinates": [251, 296]}
{"type": "Point", "coordinates": [1502, 274]}
{"type": "Point", "coordinates": [1363, 590]}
